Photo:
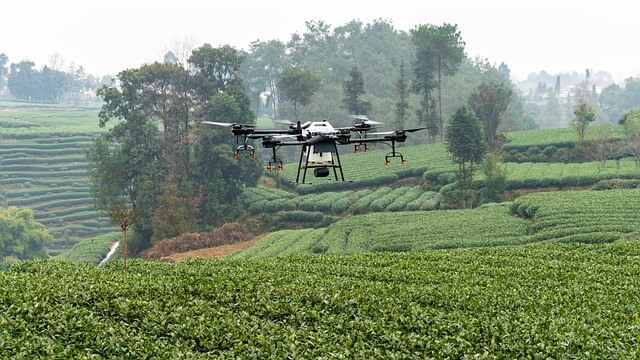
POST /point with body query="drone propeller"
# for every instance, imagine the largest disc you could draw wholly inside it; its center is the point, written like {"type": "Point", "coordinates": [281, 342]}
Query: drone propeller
{"type": "Point", "coordinates": [293, 137]}
{"type": "Point", "coordinates": [382, 133]}
{"type": "Point", "coordinates": [398, 131]}
{"type": "Point", "coordinates": [365, 120]}
{"type": "Point", "coordinates": [226, 124]}
{"type": "Point", "coordinates": [414, 129]}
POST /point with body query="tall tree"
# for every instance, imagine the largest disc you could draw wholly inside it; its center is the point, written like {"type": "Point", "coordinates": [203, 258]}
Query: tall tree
{"type": "Point", "coordinates": [298, 85]}
{"type": "Point", "coordinates": [353, 90]}
{"type": "Point", "coordinates": [126, 163]}
{"type": "Point", "coordinates": [22, 80]}
{"type": "Point", "coordinates": [489, 102]}
{"type": "Point", "coordinates": [263, 63]}
{"type": "Point", "coordinates": [583, 115]}
{"type": "Point", "coordinates": [465, 143]}
{"type": "Point", "coordinates": [402, 104]}
{"type": "Point", "coordinates": [220, 95]}
{"type": "Point", "coordinates": [439, 48]}
{"type": "Point", "coordinates": [631, 123]}
{"type": "Point", "coordinates": [172, 216]}
{"type": "Point", "coordinates": [165, 98]}
{"type": "Point", "coordinates": [4, 59]}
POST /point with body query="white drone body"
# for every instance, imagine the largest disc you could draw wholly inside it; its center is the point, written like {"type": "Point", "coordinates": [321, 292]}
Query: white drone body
{"type": "Point", "coordinates": [319, 153]}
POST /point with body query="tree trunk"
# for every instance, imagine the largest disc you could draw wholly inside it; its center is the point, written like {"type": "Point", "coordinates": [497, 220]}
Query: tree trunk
{"type": "Point", "coordinates": [124, 247]}
{"type": "Point", "coordinates": [440, 97]}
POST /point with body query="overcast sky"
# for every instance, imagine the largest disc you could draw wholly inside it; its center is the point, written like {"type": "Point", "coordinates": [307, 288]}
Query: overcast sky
{"type": "Point", "coordinates": [106, 37]}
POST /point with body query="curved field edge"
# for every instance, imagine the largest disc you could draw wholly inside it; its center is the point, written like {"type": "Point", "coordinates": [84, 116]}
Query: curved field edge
{"type": "Point", "coordinates": [570, 216]}
{"type": "Point", "coordinates": [535, 301]}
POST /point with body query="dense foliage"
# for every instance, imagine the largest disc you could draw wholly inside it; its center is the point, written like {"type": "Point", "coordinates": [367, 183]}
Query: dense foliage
{"type": "Point", "coordinates": [49, 84]}
{"type": "Point", "coordinates": [158, 161]}
{"type": "Point", "coordinates": [21, 237]}
{"type": "Point", "coordinates": [552, 301]}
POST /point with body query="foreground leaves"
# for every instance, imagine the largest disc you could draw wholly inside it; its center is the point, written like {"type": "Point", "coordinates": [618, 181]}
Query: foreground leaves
{"type": "Point", "coordinates": [551, 300]}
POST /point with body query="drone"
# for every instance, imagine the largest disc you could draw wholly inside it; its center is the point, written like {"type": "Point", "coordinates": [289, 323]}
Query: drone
{"type": "Point", "coordinates": [319, 141]}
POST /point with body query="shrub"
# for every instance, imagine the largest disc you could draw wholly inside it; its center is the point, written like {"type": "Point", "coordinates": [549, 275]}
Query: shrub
{"type": "Point", "coordinates": [617, 184]}
{"type": "Point", "coordinates": [550, 151]}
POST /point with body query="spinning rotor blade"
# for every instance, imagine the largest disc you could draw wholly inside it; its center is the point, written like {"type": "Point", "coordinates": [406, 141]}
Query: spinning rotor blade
{"type": "Point", "coordinates": [383, 133]}
{"type": "Point", "coordinates": [365, 120]}
{"type": "Point", "coordinates": [226, 124]}
{"type": "Point", "coordinates": [293, 137]}
{"type": "Point", "coordinates": [415, 129]}
{"type": "Point", "coordinates": [286, 122]}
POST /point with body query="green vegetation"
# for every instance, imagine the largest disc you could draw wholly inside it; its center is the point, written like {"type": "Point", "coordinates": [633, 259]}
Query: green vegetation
{"type": "Point", "coordinates": [21, 238]}
{"type": "Point", "coordinates": [560, 138]}
{"type": "Point", "coordinates": [43, 167]}
{"type": "Point", "coordinates": [580, 216]}
{"type": "Point", "coordinates": [542, 301]}
{"type": "Point", "coordinates": [261, 200]}
{"type": "Point", "coordinates": [90, 251]}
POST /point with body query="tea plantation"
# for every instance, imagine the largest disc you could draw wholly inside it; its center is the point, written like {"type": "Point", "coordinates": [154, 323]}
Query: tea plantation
{"type": "Point", "coordinates": [534, 301]}
{"type": "Point", "coordinates": [372, 268]}
{"type": "Point", "coordinates": [43, 167]}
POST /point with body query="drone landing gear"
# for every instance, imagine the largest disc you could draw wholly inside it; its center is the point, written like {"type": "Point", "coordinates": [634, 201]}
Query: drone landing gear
{"type": "Point", "coordinates": [393, 154]}
{"type": "Point", "coordinates": [357, 148]}
{"type": "Point", "coordinates": [245, 147]}
{"type": "Point", "coordinates": [274, 160]}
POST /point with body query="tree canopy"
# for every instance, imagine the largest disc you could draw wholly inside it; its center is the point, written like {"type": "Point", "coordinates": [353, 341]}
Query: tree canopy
{"type": "Point", "coordinates": [489, 102]}
{"type": "Point", "coordinates": [465, 143]}
{"type": "Point", "coordinates": [21, 238]}
{"type": "Point", "coordinates": [157, 135]}
{"type": "Point", "coordinates": [298, 85]}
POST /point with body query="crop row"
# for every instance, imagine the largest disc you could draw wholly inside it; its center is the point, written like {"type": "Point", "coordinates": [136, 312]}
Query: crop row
{"type": "Point", "coordinates": [432, 163]}
{"type": "Point", "coordinates": [264, 200]}
{"type": "Point", "coordinates": [28, 192]}
{"type": "Point", "coordinates": [72, 157]}
{"type": "Point", "coordinates": [593, 216]}
{"type": "Point", "coordinates": [578, 216]}
{"type": "Point", "coordinates": [400, 232]}
{"type": "Point", "coordinates": [552, 301]}
{"type": "Point", "coordinates": [91, 251]}
{"type": "Point", "coordinates": [533, 175]}
{"type": "Point", "coordinates": [560, 137]}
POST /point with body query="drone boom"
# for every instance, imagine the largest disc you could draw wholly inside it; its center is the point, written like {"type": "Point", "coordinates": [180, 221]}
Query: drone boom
{"type": "Point", "coordinates": [318, 141]}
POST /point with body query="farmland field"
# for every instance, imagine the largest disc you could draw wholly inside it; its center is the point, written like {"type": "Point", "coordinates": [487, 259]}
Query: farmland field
{"type": "Point", "coordinates": [559, 216]}
{"type": "Point", "coordinates": [549, 275]}
{"type": "Point", "coordinates": [535, 301]}
{"type": "Point", "coordinates": [43, 167]}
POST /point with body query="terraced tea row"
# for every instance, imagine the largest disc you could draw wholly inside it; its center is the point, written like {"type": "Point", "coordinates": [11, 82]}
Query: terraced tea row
{"type": "Point", "coordinates": [579, 216]}
{"type": "Point", "coordinates": [266, 200]}
{"type": "Point", "coordinates": [541, 301]}
{"type": "Point", "coordinates": [43, 167]}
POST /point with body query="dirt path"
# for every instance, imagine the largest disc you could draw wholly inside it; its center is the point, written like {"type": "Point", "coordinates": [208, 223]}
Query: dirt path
{"type": "Point", "coordinates": [214, 252]}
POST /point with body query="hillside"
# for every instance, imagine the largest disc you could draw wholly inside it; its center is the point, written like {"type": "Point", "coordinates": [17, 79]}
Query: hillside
{"type": "Point", "coordinates": [43, 167]}
{"type": "Point", "coordinates": [373, 268]}
{"type": "Point", "coordinates": [576, 216]}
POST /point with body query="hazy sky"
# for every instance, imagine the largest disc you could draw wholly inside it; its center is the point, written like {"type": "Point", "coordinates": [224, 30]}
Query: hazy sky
{"type": "Point", "coordinates": [106, 37]}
